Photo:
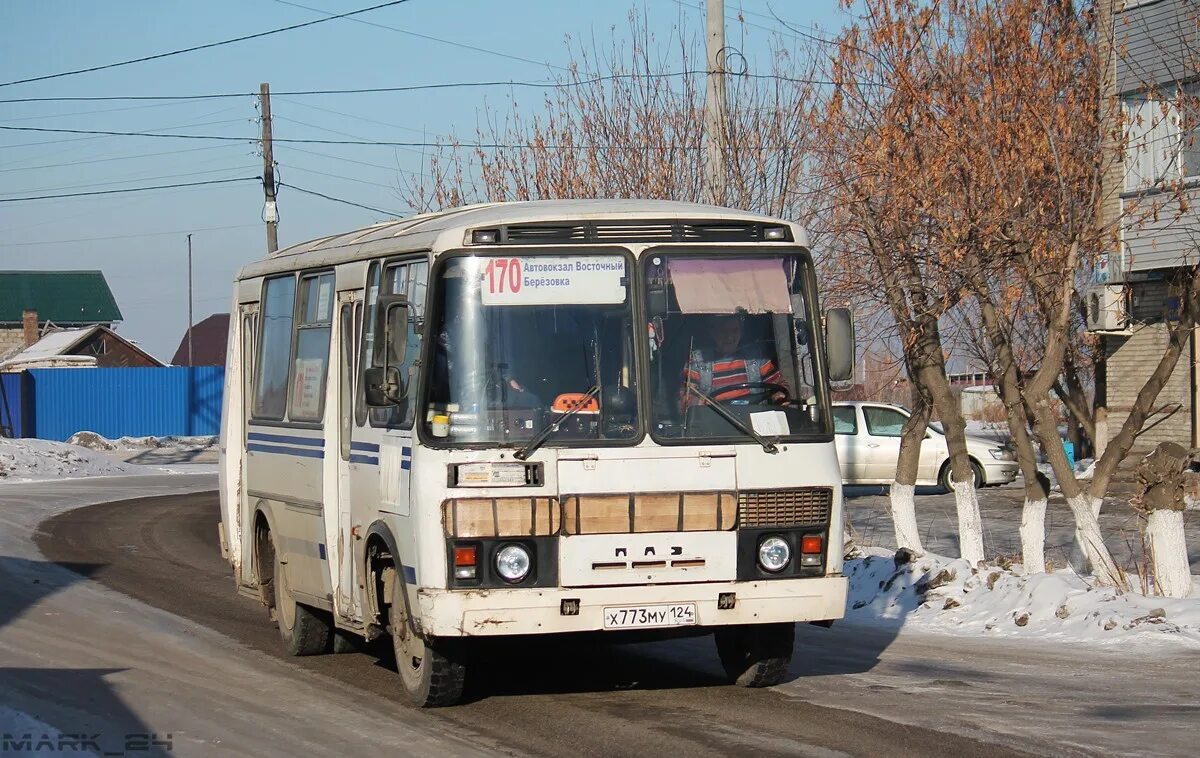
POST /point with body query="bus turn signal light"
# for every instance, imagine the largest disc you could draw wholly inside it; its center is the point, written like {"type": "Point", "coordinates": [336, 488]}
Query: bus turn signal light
{"type": "Point", "coordinates": [464, 561]}
{"type": "Point", "coordinates": [810, 549]}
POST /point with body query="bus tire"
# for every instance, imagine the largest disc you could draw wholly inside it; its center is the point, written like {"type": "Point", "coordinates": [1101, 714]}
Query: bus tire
{"type": "Point", "coordinates": [433, 670]}
{"type": "Point", "coordinates": [345, 642]}
{"type": "Point", "coordinates": [756, 655]}
{"type": "Point", "coordinates": [304, 631]}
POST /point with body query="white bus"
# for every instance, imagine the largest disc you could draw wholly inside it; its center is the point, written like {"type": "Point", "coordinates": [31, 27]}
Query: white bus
{"type": "Point", "coordinates": [535, 418]}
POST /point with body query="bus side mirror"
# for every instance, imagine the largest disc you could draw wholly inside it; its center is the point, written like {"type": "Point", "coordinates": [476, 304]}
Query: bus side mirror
{"type": "Point", "coordinates": [384, 385]}
{"type": "Point", "coordinates": [839, 344]}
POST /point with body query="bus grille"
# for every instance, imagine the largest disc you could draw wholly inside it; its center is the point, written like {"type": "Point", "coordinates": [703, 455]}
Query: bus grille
{"type": "Point", "coordinates": [806, 506]}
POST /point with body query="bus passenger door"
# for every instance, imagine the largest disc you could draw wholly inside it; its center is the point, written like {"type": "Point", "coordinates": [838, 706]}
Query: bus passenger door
{"type": "Point", "coordinates": [343, 376]}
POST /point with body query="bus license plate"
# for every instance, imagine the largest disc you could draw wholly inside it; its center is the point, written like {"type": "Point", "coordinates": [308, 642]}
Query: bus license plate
{"type": "Point", "coordinates": [641, 616]}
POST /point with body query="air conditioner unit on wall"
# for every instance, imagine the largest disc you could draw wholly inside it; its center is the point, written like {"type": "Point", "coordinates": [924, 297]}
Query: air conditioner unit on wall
{"type": "Point", "coordinates": [1107, 308]}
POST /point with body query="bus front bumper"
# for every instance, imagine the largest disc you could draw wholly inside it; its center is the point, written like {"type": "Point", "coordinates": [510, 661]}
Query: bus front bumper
{"type": "Point", "coordinates": [495, 612]}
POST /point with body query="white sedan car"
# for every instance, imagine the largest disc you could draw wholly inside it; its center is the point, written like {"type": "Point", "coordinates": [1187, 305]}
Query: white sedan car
{"type": "Point", "coordinates": [868, 443]}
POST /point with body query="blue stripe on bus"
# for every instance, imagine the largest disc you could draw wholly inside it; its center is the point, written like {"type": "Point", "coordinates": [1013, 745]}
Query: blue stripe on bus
{"type": "Point", "coordinates": [321, 549]}
{"type": "Point", "coordinates": [371, 459]}
{"type": "Point", "coordinates": [410, 574]}
{"type": "Point", "coordinates": [406, 451]}
{"type": "Point", "coordinates": [286, 439]}
{"type": "Point", "coordinates": [405, 464]}
{"type": "Point", "coordinates": [370, 447]}
{"type": "Point", "coordinates": [304, 453]}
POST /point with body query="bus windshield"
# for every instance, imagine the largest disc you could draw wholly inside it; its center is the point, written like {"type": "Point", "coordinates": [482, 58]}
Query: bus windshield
{"type": "Point", "coordinates": [522, 342]}
{"type": "Point", "coordinates": [732, 342]}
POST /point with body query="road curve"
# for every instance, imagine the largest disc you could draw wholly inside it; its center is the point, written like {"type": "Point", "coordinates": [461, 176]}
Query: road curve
{"type": "Point", "coordinates": [524, 696]}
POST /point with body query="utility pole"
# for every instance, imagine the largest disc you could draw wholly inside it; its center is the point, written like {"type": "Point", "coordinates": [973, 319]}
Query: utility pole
{"type": "Point", "coordinates": [270, 210]}
{"type": "Point", "coordinates": [715, 104]}
{"type": "Point", "coordinates": [191, 358]}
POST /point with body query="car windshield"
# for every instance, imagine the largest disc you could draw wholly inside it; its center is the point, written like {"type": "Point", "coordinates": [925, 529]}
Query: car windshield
{"type": "Point", "coordinates": [520, 342]}
{"type": "Point", "coordinates": [733, 334]}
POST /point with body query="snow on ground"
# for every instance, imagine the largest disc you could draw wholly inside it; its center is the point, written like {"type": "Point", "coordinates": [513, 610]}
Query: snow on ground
{"type": "Point", "coordinates": [939, 594]}
{"type": "Point", "coordinates": [26, 460]}
{"type": "Point", "coordinates": [94, 441]}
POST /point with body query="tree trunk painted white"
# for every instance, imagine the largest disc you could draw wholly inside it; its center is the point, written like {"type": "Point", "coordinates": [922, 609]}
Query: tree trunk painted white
{"type": "Point", "coordinates": [904, 517]}
{"type": "Point", "coordinates": [1033, 536]}
{"type": "Point", "coordinates": [970, 523]}
{"type": "Point", "coordinates": [1090, 541]}
{"type": "Point", "coordinates": [1168, 553]}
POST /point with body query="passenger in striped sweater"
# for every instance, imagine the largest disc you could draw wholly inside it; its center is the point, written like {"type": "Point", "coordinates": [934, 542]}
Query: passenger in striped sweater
{"type": "Point", "coordinates": [718, 369]}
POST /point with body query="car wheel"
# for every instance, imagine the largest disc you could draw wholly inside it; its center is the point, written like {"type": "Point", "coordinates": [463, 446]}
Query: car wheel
{"type": "Point", "coordinates": [946, 482]}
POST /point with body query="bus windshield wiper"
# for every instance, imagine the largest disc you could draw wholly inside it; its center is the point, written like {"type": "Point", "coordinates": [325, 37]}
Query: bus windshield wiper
{"type": "Point", "coordinates": [726, 414]}
{"type": "Point", "coordinates": [552, 428]}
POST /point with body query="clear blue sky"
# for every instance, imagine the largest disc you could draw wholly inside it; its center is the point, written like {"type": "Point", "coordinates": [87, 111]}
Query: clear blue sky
{"type": "Point", "coordinates": [146, 266]}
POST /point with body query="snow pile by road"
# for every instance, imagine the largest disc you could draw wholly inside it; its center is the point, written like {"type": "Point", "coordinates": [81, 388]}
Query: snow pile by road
{"type": "Point", "coordinates": [935, 593]}
{"type": "Point", "coordinates": [94, 441]}
{"type": "Point", "coordinates": [27, 460]}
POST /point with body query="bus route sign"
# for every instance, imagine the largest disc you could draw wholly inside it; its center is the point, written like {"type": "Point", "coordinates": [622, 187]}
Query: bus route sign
{"type": "Point", "coordinates": [552, 280]}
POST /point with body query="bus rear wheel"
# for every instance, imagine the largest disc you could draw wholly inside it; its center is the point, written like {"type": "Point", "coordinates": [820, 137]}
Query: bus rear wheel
{"type": "Point", "coordinates": [304, 631]}
{"type": "Point", "coordinates": [432, 670]}
{"type": "Point", "coordinates": [756, 655]}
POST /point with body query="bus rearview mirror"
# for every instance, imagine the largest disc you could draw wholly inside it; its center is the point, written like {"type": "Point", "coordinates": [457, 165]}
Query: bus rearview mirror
{"type": "Point", "coordinates": [839, 344]}
{"type": "Point", "coordinates": [384, 385]}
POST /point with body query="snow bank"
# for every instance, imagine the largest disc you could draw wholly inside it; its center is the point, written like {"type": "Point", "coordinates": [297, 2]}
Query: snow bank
{"type": "Point", "coordinates": [27, 460]}
{"type": "Point", "coordinates": [935, 593]}
{"type": "Point", "coordinates": [94, 441]}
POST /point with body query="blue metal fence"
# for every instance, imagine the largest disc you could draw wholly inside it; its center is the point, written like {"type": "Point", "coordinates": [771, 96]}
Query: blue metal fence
{"type": "Point", "coordinates": [118, 402]}
{"type": "Point", "coordinates": [10, 405]}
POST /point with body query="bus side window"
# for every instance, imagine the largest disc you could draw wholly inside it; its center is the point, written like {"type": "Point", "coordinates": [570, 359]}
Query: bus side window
{"type": "Point", "coordinates": [345, 394]}
{"type": "Point", "coordinates": [418, 281]}
{"type": "Point", "coordinates": [408, 278]}
{"type": "Point", "coordinates": [311, 365]}
{"type": "Point", "coordinates": [367, 346]}
{"type": "Point", "coordinates": [275, 348]}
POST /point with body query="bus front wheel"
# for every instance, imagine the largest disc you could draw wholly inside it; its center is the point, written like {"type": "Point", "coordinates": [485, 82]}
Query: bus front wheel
{"type": "Point", "coordinates": [756, 655]}
{"type": "Point", "coordinates": [432, 670]}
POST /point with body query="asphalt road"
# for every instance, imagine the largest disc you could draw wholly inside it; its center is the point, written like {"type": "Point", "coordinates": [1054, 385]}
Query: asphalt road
{"type": "Point", "coordinates": [524, 696]}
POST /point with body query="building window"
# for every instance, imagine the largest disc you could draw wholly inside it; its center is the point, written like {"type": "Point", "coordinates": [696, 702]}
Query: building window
{"type": "Point", "coordinates": [1162, 137]}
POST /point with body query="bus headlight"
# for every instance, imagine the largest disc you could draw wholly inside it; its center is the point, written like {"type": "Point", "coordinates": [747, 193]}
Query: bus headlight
{"type": "Point", "coordinates": [513, 563]}
{"type": "Point", "coordinates": [774, 554]}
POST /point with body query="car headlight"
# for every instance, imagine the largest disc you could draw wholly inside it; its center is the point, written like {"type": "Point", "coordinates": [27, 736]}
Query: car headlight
{"type": "Point", "coordinates": [513, 563]}
{"type": "Point", "coordinates": [1001, 454]}
{"type": "Point", "coordinates": [774, 554]}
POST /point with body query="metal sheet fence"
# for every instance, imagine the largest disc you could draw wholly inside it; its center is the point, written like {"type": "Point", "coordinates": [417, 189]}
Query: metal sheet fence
{"type": "Point", "coordinates": [10, 406]}
{"type": "Point", "coordinates": [118, 402]}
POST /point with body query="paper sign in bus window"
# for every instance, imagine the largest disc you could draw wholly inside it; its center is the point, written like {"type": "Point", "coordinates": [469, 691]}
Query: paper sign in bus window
{"type": "Point", "coordinates": [546, 280]}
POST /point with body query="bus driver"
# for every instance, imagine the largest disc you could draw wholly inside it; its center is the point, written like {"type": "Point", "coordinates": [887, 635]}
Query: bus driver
{"type": "Point", "coordinates": [723, 370]}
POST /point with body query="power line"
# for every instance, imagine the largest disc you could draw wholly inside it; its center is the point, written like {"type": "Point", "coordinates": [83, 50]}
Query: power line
{"type": "Point", "coordinates": [339, 200]}
{"type": "Point", "coordinates": [128, 236]}
{"type": "Point", "coordinates": [417, 87]}
{"type": "Point", "coordinates": [131, 189]}
{"type": "Point", "coordinates": [371, 143]}
{"type": "Point", "coordinates": [114, 158]}
{"type": "Point", "coordinates": [207, 46]}
{"type": "Point", "coordinates": [127, 179]}
{"type": "Point", "coordinates": [335, 176]}
{"type": "Point", "coordinates": [452, 43]}
{"type": "Point", "coordinates": [150, 133]}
